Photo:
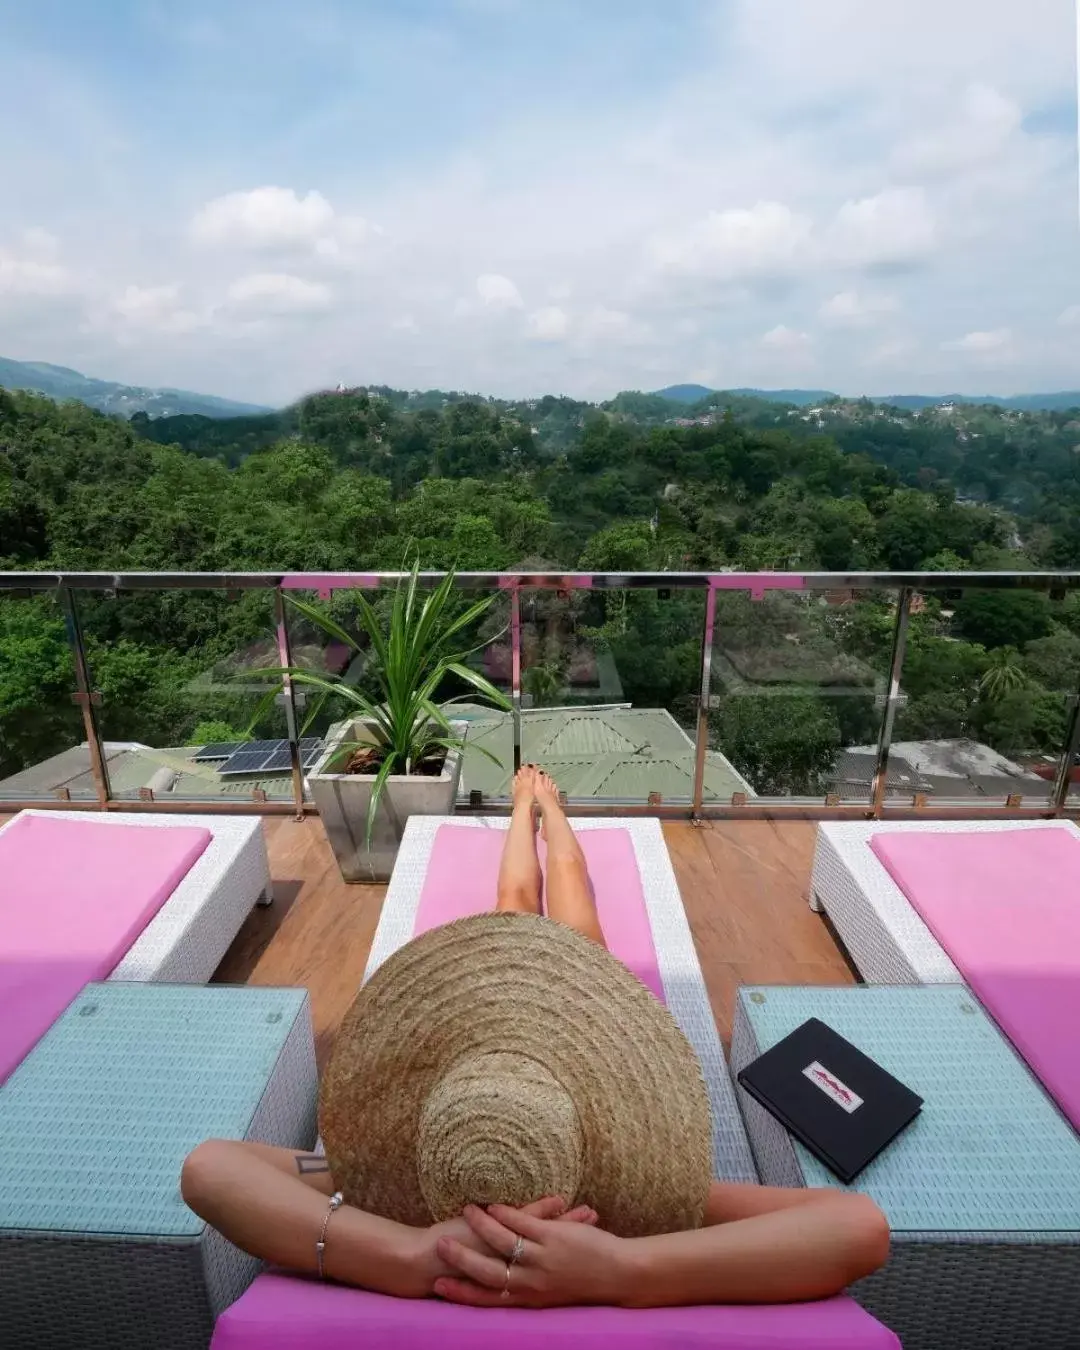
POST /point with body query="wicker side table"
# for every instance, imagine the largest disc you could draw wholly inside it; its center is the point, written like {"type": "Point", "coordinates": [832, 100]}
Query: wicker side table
{"type": "Point", "coordinates": [982, 1191]}
{"type": "Point", "coordinates": [97, 1248]}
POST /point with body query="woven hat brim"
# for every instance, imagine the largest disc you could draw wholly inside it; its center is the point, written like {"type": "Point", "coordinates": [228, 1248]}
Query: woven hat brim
{"type": "Point", "coordinates": [525, 985]}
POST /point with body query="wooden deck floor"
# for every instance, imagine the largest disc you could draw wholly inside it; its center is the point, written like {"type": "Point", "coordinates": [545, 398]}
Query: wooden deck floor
{"type": "Point", "coordinates": [744, 885]}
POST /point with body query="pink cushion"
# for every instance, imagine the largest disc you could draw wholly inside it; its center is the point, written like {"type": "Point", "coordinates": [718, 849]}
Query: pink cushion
{"type": "Point", "coordinates": [281, 1312]}
{"type": "Point", "coordinates": [463, 872]}
{"type": "Point", "coordinates": [1005, 905]}
{"type": "Point", "coordinates": [74, 896]}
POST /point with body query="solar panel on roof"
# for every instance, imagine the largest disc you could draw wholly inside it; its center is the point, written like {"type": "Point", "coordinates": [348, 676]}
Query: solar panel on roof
{"type": "Point", "coordinates": [218, 750]}
{"type": "Point", "coordinates": [270, 756]}
{"type": "Point", "coordinates": [244, 761]}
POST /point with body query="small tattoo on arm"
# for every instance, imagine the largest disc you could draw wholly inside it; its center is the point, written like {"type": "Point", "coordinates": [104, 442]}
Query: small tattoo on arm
{"type": "Point", "coordinates": [307, 1163]}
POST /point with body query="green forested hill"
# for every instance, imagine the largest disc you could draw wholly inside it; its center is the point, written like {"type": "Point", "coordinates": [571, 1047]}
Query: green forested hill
{"type": "Point", "coordinates": [357, 480]}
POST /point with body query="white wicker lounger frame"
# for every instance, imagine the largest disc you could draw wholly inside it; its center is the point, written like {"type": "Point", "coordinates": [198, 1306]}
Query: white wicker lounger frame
{"type": "Point", "coordinates": [191, 932]}
{"type": "Point", "coordinates": [882, 932]}
{"type": "Point", "coordinates": [684, 986]}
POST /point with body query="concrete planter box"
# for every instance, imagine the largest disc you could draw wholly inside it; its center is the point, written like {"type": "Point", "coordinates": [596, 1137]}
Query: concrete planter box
{"type": "Point", "coordinates": [342, 802]}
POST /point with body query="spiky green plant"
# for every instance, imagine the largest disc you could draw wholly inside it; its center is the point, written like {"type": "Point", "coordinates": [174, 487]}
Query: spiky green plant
{"type": "Point", "coordinates": [415, 653]}
{"type": "Point", "coordinates": [1004, 675]}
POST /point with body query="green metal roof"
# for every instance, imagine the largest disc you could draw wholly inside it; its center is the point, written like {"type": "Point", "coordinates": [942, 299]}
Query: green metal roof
{"type": "Point", "coordinates": [618, 754]}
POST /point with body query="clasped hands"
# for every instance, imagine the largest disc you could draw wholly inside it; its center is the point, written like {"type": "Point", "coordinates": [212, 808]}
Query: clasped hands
{"type": "Point", "coordinates": [565, 1258]}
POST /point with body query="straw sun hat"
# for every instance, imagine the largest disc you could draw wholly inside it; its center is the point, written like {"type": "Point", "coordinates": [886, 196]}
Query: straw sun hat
{"type": "Point", "coordinates": [505, 1057]}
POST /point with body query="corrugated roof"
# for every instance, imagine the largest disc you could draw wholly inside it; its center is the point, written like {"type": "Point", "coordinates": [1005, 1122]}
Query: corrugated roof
{"type": "Point", "coordinates": [621, 754]}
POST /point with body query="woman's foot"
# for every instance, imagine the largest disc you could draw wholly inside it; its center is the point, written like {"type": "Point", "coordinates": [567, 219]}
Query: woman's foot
{"type": "Point", "coordinates": [546, 792]}
{"type": "Point", "coordinates": [523, 789]}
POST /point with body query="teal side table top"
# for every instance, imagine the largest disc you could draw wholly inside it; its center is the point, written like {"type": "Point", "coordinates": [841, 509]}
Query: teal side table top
{"type": "Point", "coordinates": [96, 1121]}
{"type": "Point", "coordinates": [989, 1152]}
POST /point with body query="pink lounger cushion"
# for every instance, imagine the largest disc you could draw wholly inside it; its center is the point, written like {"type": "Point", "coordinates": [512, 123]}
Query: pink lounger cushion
{"type": "Point", "coordinates": [1005, 905]}
{"type": "Point", "coordinates": [74, 896]}
{"type": "Point", "coordinates": [463, 873]}
{"type": "Point", "coordinates": [281, 1312]}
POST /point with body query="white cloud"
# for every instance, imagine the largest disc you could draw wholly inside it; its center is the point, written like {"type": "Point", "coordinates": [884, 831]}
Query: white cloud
{"type": "Point", "coordinates": [987, 347]}
{"type": "Point", "coordinates": [157, 309]}
{"type": "Point", "coordinates": [857, 309]}
{"type": "Point", "coordinates": [498, 292]}
{"type": "Point", "coordinates": [278, 219]}
{"type": "Point", "coordinates": [785, 339]}
{"type": "Point", "coordinates": [765, 240]}
{"type": "Point", "coordinates": [990, 339]}
{"type": "Point", "coordinates": [1070, 317]}
{"type": "Point", "coordinates": [894, 228]}
{"type": "Point", "coordinates": [892, 352]}
{"type": "Point", "coordinates": [548, 324]}
{"type": "Point", "coordinates": [32, 268]}
{"type": "Point", "coordinates": [982, 126]}
{"type": "Point", "coordinates": [279, 293]}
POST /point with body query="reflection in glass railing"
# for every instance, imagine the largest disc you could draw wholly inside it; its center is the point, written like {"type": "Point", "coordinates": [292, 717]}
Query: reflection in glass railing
{"type": "Point", "coordinates": [185, 713]}
{"type": "Point", "coordinates": [798, 688]}
{"type": "Point", "coordinates": [987, 680]}
{"type": "Point", "coordinates": [600, 682]}
{"type": "Point", "coordinates": [610, 682]}
{"type": "Point", "coordinates": [44, 752]}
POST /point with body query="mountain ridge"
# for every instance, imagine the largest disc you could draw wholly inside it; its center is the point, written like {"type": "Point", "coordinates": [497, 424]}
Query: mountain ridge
{"type": "Point", "coordinates": [1053, 401]}
{"type": "Point", "coordinates": [110, 396]}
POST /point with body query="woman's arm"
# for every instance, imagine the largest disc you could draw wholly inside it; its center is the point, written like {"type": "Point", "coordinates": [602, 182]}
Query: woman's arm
{"type": "Point", "coordinates": [732, 1200]}
{"type": "Point", "coordinates": [273, 1203]}
{"type": "Point", "coordinates": [809, 1248]}
{"type": "Point", "coordinates": [804, 1250]}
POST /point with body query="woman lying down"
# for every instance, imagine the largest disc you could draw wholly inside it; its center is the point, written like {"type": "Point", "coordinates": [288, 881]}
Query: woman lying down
{"type": "Point", "coordinates": [511, 1119]}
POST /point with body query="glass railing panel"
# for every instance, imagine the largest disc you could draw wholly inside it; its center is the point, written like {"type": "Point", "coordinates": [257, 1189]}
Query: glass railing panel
{"type": "Point", "coordinates": [44, 753]}
{"type": "Point", "coordinates": [797, 696]}
{"type": "Point", "coordinates": [986, 682]}
{"type": "Point", "coordinates": [184, 695]}
{"type": "Point", "coordinates": [338, 651]}
{"type": "Point", "coordinates": [610, 683]}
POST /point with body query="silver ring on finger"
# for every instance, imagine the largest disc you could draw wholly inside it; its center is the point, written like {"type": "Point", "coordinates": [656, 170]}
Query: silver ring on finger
{"type": "Point", "coordinates": [506, 1287]}
{"type": "Point", "coordinates": [518, 1251]}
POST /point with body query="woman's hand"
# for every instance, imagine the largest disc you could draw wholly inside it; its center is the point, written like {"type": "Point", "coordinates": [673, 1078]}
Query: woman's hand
{"type": "Point", "coordinates": [427, 1265]}
{"type": "Point", "coordinates": [562, 1263]}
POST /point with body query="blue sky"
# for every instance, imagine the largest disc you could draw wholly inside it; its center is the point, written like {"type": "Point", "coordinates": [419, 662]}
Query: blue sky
{"type": "Point", "coordinates": [522, 196]}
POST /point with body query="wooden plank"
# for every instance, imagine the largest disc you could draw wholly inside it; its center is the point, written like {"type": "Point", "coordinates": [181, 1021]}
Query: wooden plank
{"type": "Point", "coordinates": [317, 933]}
{"type": "Point", "coordinates": [744, 886]}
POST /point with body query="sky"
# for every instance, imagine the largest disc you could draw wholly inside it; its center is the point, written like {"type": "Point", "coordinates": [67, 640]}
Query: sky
{"type": "Point", "coordinates": [257, 198]}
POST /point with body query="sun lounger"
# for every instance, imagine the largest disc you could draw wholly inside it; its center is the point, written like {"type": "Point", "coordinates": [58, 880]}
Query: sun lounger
{"type": "Point", "coordinates": [445, 871]}
{"type": "Point", "coordinates": [128, 897]}
{"type": "Point", "coordinates": [995, 906]}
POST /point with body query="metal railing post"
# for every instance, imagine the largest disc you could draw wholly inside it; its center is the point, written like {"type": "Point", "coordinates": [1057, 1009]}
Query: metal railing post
{"type": "Point", "coordinates": [281, 620]}
{"type": "Point", "coordinates": [1063, 777]}
{"type": "Point", "coordinates": [515, 671]}
{"type": "Point", "coordinates": [87, 698]}
{"type": "Point", "coordinates": [892, 699]}
{"type": "Point", "coordinates": [702, 742]}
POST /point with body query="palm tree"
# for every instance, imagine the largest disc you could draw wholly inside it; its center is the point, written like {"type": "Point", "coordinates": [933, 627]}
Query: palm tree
{"type": "Point", "coordinates": [1004, 675]}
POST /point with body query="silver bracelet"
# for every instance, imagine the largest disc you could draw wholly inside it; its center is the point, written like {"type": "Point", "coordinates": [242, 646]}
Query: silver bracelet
{"type": "Point", "coordinates": [336, 1201]}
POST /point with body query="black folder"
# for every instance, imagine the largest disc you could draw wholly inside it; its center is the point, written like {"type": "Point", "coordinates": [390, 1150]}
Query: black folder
{"type": "Point", "coordinates": [834, 1099]}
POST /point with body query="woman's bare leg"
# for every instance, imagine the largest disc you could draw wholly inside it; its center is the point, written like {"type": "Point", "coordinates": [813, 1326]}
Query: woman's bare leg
{"type": "Point", "coordinates": [569, 890]}
{"type": "Point", "coordinates": [520, 879]}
